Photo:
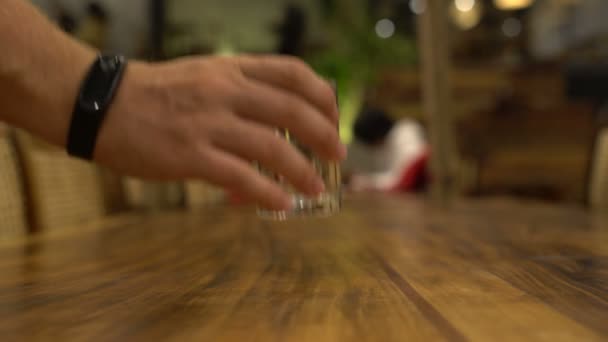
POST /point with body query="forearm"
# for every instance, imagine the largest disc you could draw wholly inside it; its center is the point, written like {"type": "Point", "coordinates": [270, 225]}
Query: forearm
{"type": "Point", "coordinates": [40, 71]}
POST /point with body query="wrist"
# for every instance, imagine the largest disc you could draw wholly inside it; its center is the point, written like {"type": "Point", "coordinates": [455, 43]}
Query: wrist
{"type": "Point", "coordinates": [121, 121]}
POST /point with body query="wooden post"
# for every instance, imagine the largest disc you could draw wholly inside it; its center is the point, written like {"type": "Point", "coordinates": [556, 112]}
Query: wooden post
{"type": "Point", "coordinates": [435, 61]}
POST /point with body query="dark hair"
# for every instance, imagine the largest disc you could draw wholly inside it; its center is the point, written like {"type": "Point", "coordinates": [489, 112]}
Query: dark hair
{"type": "Point", "coordinates": [372, 126]}
{"type": "Point", "coordinates": [95, 10]}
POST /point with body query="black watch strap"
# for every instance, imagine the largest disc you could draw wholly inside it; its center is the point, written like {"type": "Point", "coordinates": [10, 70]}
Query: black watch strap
{"type": "Point", "coordinates": [92, 103]}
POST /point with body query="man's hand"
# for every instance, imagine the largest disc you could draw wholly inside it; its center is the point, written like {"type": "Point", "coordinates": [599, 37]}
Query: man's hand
{"type": "Point", "coordinates": [203, 118]}
{"type": "Point", "coordinates": [209, 118]}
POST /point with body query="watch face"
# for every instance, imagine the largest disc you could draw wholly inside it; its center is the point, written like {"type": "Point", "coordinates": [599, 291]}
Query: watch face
{"type": "Point", "coordinates": [100, 83]}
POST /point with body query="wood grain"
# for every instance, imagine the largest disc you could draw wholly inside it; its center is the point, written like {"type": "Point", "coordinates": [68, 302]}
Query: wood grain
{"type": "Point", "coordinates": [386, 269]}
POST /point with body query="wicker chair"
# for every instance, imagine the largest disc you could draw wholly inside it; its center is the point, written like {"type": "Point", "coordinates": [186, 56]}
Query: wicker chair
{"type": "Point", "coordinates": [200, 194]}
{"type": "Point", "coordinates": [64, 192]}
{"type": "Point", "coordinates": [150, 195]}
{"type": "Point", "coordinates": [13, 219]}
{"type": "Point", "coordinates": [598, 185]}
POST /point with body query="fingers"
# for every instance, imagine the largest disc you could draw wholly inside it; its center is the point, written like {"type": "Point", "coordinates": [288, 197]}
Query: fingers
{"type": "Point", "coordinates": [235, 174]}
{"type": "Point", "coordinates": [294, 76]}
{"type": "Point", "coordinates": [255, 142]}
{"type": "Point", "coordinates": [275, 107]}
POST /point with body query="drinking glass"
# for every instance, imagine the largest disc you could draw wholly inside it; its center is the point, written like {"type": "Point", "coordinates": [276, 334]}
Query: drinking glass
{"type": "Point", "coordinates": [325, 204]}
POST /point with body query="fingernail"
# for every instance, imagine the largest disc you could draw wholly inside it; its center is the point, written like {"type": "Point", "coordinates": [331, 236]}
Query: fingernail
{"type": "Point", "coordinates": [317, 187]}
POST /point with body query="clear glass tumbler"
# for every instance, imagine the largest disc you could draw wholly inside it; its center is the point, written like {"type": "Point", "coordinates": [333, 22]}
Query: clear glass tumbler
{"type": "Point", "coordinates": [325, 204]}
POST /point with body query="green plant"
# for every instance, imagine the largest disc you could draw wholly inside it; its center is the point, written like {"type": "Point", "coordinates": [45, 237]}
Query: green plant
{"type": "Point", "coordinates": [353, 55]}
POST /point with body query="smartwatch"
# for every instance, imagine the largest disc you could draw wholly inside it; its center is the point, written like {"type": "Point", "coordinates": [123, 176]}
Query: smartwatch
{"type": "Point", "coordinates": [92, 103]}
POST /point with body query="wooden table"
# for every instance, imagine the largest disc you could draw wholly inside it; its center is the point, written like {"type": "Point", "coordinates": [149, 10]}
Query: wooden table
{"type": "Point", "coordinates": [386, 269]}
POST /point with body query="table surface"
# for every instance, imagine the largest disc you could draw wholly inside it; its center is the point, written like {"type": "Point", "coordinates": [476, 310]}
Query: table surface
{"type": "Point", "coordinates": [385, 269]}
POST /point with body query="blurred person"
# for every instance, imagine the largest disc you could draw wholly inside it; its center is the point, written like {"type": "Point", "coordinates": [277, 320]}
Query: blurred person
{"type": "Point", "coordinates": [192, 118]}
{"type": "Point", "coordinates": [387, 155]}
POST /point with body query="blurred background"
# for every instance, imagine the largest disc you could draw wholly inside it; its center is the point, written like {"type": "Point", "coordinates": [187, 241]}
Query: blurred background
{"type": "Point", "coordinates": [475, 97]}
